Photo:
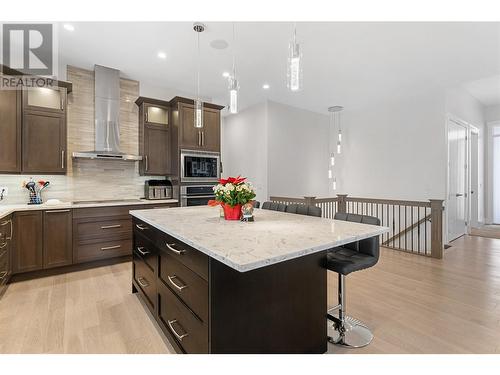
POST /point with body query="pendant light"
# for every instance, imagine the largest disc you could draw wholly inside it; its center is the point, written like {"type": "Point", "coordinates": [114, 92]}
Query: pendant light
{"type": "Point", "coordinates": [334, 122]}
{"type": "Point", "coordinates": [294, 70]}
{"type": "Point", "coordinates": [198, 103]}
{"type": "Point", "coordinates": [233, 83]}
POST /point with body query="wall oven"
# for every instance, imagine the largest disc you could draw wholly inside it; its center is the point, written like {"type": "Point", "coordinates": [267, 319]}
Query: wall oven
{"type": "Point", "coordinates": [196, 195]}
{"type": "Point", "coordinates": [200, 166]}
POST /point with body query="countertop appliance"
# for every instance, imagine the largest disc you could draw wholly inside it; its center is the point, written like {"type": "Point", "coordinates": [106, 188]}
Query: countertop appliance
{"type": "Point", "coordinates": [158, 189]}
{"type": "Point", "coordinates": [196, 195]}
{"type": "Point", "coordinates": [200, 166]}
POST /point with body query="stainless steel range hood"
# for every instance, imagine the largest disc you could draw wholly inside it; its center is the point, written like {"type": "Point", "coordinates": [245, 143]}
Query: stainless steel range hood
{"type": "Point", "coordinates": [107, 115]}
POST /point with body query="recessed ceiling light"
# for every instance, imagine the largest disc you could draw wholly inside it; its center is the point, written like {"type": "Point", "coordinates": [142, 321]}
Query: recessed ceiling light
{"type": "Point", "coordinates": [69, 27]}
{"type": "Point", "coordinates": [265, 86]}
{"type": "Point", "coordinates": [162, 55]}
{"type": "Point", "coordinates": [226, 74]}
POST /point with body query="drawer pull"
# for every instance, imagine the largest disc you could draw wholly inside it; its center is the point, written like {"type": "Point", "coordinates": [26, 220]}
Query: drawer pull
{"type": "Point", "coordinates": [143, 282]}
{"type": "Point", "coordinates": [57, 211]}
{"type": "Point", "coordinates": [179, 287]}
{"type": "Point", "coordinates": [3, 274]}
{"type": "Point", "coordinates": [5, 223]}
{"type": "Point", "coordinates": [111, 226]}
{"type": "Point", "coordinates": [170, 324]}
{"type": "Point", "coordinates": [3, 245]}
{"type": "Point", "coordinates": [141, 227]}
{"type": "Point", "coordinates": [141, 251]}
{"type": "Point", "coordinates": [178, 252]}
{"type": "Point", "coordinates": [111, 247]}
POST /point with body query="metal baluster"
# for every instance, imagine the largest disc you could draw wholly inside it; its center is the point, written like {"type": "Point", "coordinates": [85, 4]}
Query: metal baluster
{"type": "Point", "coordinates": [406, 233]}
{"type": "Point", "coordinates": [418, 229]}
{"type": "Point", "coordinates": [399, 227]}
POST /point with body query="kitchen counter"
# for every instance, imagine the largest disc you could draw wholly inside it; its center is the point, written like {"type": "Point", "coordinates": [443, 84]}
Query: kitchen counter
{"type": "Point", "coordinates": [217, 286]}
{"type": "Point", "coordinates": [7, 209]}
{"type": "Point", "coordinates": [273, 237]}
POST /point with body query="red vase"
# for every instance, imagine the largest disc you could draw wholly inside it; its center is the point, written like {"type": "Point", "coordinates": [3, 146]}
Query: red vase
{"type": "Point", "coordinates": [232, 213]}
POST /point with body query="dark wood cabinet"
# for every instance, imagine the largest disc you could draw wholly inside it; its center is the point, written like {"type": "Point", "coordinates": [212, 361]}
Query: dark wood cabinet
{"type": "Point", "coordinates": [28, 241]}
{"type": "Point", "coordinates": [10, 131]}
{"type": "Point", "coordinates": [44, 143]}
{"type": "Point", "coordinates": [33, 131]}
{"type": "Point", "coordinates": [154, 137]}
{"type": "Point", "coordinates": [57, 238]}
{"type": "Point", "coordinates": [205, 138]}
{"type": "Point", "coordinates": [6, 234]}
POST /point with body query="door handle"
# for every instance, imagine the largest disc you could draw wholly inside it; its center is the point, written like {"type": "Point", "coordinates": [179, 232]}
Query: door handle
{"type": "Point", "coordinates": [62, 159]}
{"type": "Point", "coordinates": [141, 251]}
{"type": "Point", "coordinates": [141, 227]}
{"type": "Point", "coordinates": [143, 282]}
{"type": "Point", "coordinates": [203, 138]}
{"type": "Point", "coordinates": [146, 162]}
{"type": "Point", "coordinates": [459, 195]}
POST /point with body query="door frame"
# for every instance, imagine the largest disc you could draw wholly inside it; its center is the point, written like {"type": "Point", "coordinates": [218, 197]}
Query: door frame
{"type": "Point", "coordinates": [468, 128]}
{"type": "Point", "coordinates": [472, 130]}
{"type": "Point", "coordinates": [489, 214]}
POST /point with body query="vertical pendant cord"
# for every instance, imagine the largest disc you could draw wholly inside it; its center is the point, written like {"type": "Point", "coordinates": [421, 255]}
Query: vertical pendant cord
{"type": "Point", "coordinates": [199, 67]}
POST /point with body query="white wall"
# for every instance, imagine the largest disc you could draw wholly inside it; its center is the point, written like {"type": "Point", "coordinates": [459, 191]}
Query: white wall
{"type": "Point", "coordinates": [492, 113]}
{"type": "Point", "coordinates": [281, 149]}
{"type": "Point", "coordinates": [298, 151]}
{"type": "Point", "coordinates": [395, 150]}
{"type": "Point", "coordinates": [244, 147]}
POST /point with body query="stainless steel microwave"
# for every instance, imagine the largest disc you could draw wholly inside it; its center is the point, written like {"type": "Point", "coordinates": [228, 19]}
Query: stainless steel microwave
{"type": "Point", "coordinates": [200, 166]}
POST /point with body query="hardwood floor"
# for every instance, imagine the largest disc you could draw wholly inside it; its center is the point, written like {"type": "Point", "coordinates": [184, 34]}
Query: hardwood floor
{"type": "Point", "coordinates": [491, 231]}
{"type": "Point", "coordinates": [412, 304]}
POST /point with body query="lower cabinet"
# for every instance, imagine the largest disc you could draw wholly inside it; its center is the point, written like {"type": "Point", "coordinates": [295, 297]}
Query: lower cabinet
{"type": "Point", "coordinates": [6, 234]}
{"type": "Point", "coordinates": [28, 242]}
{"type": "Point", "coordinates": [57, 238]}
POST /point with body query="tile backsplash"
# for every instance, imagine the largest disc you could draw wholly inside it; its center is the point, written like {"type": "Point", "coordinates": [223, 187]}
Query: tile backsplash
{"type": "Point", "coordinates": [90, 179]}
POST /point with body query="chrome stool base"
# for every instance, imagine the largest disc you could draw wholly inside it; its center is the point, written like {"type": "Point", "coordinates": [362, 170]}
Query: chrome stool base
{"type": "Point", "coordinates": [356, 334]}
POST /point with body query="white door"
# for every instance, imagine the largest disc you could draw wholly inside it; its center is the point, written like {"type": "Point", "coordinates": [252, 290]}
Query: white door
{"type": "Point", "coordinates": [496, 175]}
{"type": "Point", "coordinates": [457, 184]}
{"type": "Point", "coordinates": [474, 179]}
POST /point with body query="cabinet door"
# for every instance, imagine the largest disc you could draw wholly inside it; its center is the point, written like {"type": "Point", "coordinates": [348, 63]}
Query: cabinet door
{"type": "Point", "coordinates": [190, 137]}
{"type": "Point", "coordinates": [156, 150]}
{"type": "Point", "coordinates": [57, 238]}
{"type": "Point", "coordinates": [10, 131]}
{"type": "Point", "coordinates": [28, 242]}
{"type": "Point", "coordinates": [52, 100]}
{"type": "Point", "coordinates": [44, 143]}
{"type": "Point", "coordinates": [156, 115]}
{"type": "Point", "coordinates": [210, 140]}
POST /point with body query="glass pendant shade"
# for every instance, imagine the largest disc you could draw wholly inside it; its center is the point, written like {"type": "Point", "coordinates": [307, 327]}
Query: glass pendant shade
{"type": "Point", "coordinates": [198, 113]}
{"type": "Point", "coordinates": [233, 95]}
{"type": "Point", "coordinates": [332, 159]}
{"type": "Point", "coordinates": [334, 183]}
{"type": "Point", "coordinates": [340, 136]}
{"type": "Point", "coordinates": [330, 174]}
{"type": "Point", "coordinates": [339, 148]}
{"type": "Point", "coordinates": [294, 71]}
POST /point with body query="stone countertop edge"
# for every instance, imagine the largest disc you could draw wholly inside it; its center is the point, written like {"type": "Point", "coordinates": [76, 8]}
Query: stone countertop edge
{"type": "Point", "coordinates": [7, 209]}
{"type": "Point", "coordinates": [261, 263]}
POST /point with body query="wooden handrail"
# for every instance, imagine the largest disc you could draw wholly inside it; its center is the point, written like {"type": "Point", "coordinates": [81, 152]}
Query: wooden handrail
{"type": "Point", "coordinates": [434, 206]}
{"type": "Point", "coordinates": [406, 230]}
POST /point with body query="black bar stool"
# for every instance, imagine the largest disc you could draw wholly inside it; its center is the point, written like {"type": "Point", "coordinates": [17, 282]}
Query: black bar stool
{"type": "Point", "coordinates": [345, 259]}
{"type": "Point", "coordinates": [274, 206]}
{"type": "Point", "coordinates": [303, 209]}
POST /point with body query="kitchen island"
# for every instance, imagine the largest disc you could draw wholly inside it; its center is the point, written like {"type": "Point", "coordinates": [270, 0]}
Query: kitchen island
{"type": "Point", "coordinates": [217, 286]}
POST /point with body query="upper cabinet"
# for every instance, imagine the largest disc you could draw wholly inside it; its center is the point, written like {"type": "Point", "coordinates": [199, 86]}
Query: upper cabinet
{"type": "Point", "coordinates": [33, 129]}
{"type": "Point", "coordinates": [154, 137]}
{"type": "Point", "coordinates": [45, 99]}
{"type": "Point", "coordinates": [206, 138]}
{"type": "Point", "coordinates": [10, 131]}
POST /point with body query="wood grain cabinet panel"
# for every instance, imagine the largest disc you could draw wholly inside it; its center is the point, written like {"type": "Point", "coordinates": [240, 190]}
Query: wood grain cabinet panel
{"type": "Point", "coordinates": [44, 143]}
{"type": "Point", "coordinates": [57, 238]}
{"type": "Point", "coordinates": [156, 151]}
{"type": "Point", "coordinates": [10, 131]}
{"type": "Point", "coordinates": [210, 140]}
{"type": "Point", "coordinates": [189, 136]}
{"type": "Point", "coordinates": [28, 244]}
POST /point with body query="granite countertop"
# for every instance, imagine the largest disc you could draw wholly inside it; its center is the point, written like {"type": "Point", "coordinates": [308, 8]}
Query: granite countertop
{"type": "Point", "coordinates": [273, 237]}
{"type": "Point", "coordinates": [7, 209]}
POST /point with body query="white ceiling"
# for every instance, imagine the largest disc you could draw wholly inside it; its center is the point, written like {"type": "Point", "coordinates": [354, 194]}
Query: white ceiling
{"type": "Point", "coordinates": [349, 64]}
{"type": "Point", "coordinates": [486, 90]}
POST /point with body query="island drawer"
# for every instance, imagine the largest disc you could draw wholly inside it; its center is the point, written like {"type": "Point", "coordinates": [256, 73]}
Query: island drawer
{"type": "Point", "coordinates": [94, 250]}
{"type": "Point", "coordinates": [190, 332]}
{"type": "Point", "coordinates": [146, 251]}
{"type": "Point", "coordinates": [187, 285]}
{"type": "Point", "coordinates": [104, 228]}
{"type": "Point", "coordinates": [193, 259]}
{"type": "Point", "coordinates": [146, 280]}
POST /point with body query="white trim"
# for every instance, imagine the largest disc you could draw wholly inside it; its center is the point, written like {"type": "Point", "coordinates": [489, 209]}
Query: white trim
{"type": "Point", "coordinates": [489, 171]}
{"type": "Point", "coordinates": [470, 128]}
